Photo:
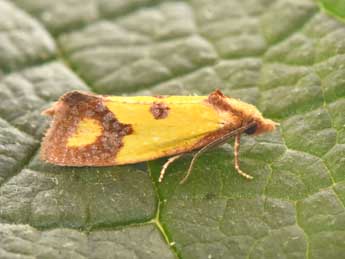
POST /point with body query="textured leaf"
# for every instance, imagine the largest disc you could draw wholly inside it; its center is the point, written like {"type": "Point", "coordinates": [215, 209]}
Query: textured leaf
{"type": "Point", "coordinates": [286, 57]}
{"type": "Point", "coordinates": [334, 7]}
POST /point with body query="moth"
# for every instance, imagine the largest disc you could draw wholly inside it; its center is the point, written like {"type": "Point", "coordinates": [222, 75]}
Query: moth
{"type": "Point", "coordinates": [99, 130]}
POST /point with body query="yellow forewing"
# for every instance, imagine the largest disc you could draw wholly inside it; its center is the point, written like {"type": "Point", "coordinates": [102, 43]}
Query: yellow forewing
{"type": "Point", "coordinates": [88, 130]}
{"type": "Point", "coordinates": [189, 119]}
{"type": "Point", "coordinates": [94, 130]}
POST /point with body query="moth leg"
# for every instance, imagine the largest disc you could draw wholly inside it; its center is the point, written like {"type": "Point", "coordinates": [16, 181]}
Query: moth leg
{"type": "Point", "coordinates": [214, 143]}
{"type": "Point", "coordinates": [190, 167]}
{"type": "Point", "coordinates": [165, 166]}
{"type": "Point", "coordinates": [236, 155]}
{"type": "Point", "coordinates": [217, 142]}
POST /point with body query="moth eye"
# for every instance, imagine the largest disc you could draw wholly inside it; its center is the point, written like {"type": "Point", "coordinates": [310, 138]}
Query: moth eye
{"type": "Point", "coordinates": [251, 130]}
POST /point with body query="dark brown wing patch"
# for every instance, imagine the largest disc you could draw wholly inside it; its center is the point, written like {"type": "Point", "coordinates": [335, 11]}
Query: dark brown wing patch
{"type": "Point", "coordinates": [218, 100]}
{"type": "Point", "coordinates": [159, 110]}
{"type": "Point", "coordinates": [69, 111]}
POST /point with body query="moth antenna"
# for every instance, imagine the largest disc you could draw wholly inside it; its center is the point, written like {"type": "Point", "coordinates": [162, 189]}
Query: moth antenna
{"type": "Point", "coordinates": [236, 157]}
{"type": "Point", "coordinates": [202, 150]}
{"type": "Point", "coordinates": [184, 179]}
{"type": "Point", "coordinates": [166, 165]}
{"type": "Point", "coordinates": [216, 142]}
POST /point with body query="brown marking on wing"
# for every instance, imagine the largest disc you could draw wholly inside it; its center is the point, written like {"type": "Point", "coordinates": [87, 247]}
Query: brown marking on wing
{"type": "Point", "coordinates": [159, 110]}
{"type": "Point", "coordinates": [68, 112]}
{"type": "Point", "coordinates": [219, 101]}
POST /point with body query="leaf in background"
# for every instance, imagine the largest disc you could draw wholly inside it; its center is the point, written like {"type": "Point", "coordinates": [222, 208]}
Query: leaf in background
{"type": "Point", "coordinates": [286, 57]}
{"type": "Point", "coordinates": [335, 8]}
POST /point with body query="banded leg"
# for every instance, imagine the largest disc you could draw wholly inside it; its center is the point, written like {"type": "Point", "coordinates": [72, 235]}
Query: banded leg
{"type": "Point", "coordinates": [237, 161]}
{"type": "Point", "coordinates": [165, 166]}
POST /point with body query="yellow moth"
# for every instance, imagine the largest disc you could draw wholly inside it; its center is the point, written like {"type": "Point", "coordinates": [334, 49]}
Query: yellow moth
{"type": "Point", "coordinates": [97, 130]}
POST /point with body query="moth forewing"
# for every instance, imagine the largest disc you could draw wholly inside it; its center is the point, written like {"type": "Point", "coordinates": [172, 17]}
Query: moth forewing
{"type": "Point", "coordinates": [96, 130]}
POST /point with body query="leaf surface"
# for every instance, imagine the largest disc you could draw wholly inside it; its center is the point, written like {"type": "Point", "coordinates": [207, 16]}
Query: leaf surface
{"type": "Point", "coordinates": [286, 57]}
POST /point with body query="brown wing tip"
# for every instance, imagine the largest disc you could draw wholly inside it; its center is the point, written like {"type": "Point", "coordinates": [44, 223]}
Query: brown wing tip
{"type": "Point", "coordinates": [77, 96]}
{"type": "Point", "coordinates": [70, 109]}
{"type": "Point", "coordinates": [49, 111]}
{"type": "Point", "coordinates": [71, 98]}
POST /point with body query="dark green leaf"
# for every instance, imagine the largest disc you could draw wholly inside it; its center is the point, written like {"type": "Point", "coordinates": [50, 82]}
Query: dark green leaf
{"type": "Point", "coordinates": [286, 57]}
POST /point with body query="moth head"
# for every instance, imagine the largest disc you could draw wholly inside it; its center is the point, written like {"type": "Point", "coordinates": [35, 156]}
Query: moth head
{"type": "Point", "coordinates": [260, 125]}
{"type": "Point", "coordinates": [253, 118]}
{"type": "Point", "coordinates": [245, 112]}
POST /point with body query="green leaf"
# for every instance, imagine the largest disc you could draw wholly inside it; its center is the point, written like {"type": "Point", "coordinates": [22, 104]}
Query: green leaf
{"type": "Point", "coordinates": [286, 57]}
{"type": "Point", "coordinates": [335, 8]}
